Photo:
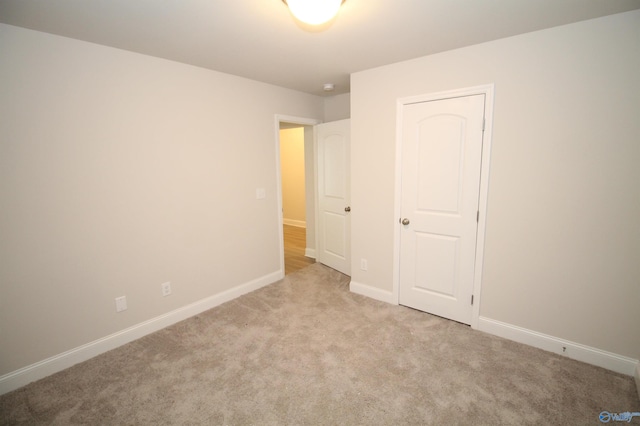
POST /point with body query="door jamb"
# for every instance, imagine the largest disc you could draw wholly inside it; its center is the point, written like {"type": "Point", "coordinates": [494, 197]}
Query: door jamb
{"type": "Point", "coordinates": [488, 91]}
{"type": "Point", "coordinates": [303, 121]}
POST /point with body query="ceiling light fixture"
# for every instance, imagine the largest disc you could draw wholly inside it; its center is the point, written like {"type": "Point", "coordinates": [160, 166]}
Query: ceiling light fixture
{"type": "Point", "coordinates": [314, 12]}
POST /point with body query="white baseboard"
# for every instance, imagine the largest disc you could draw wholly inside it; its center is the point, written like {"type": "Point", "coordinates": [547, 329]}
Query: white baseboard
{"type": "Point", "coordinates": [577, 351]}
{"type": "Point", "coordinates": [310, 253]}
{"type": "Point", "coordinates": [44, 368]}
{"type": "Point", "coordinates": [294, 222]}
{"type": "Point", "coordinates": [372, 292]}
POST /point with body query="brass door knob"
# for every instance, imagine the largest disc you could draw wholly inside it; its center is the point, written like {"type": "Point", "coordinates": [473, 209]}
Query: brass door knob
{"type": "Point", "coordinates": [405, 221]}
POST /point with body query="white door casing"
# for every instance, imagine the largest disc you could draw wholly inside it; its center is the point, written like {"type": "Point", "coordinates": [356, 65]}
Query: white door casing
{"type": "Point", "coordinates": [334, 221]}
{"type": "Point", "coordinates": [441, 156]}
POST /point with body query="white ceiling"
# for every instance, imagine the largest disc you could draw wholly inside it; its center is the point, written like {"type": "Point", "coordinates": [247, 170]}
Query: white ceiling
{"type": "Point", "coordinates": [260, 40]}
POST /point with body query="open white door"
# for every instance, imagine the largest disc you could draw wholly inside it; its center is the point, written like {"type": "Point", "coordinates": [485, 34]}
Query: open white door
{"type": "Point", "coordinates": [441, 166]}
{"type": "Point", "coordinates": [333, 221]}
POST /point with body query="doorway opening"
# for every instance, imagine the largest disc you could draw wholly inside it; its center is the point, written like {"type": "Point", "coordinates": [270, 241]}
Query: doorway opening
{"type": "Point", "coordinates": [296, 192]}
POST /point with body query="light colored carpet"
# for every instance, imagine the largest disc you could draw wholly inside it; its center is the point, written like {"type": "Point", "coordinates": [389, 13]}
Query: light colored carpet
{"type": "Point", "coordinates": [306, 351]}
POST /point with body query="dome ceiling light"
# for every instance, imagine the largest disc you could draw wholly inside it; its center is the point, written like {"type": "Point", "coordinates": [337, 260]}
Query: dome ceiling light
{"type": "Point", "coordinates": [314, 12]}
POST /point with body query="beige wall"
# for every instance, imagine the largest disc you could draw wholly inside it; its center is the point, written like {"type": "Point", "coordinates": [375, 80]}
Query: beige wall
{"type": "Point", "coordinates": [337, 107]}
{"type": "Point", "coordinates": [119, 172]}
{"type": "Point", "coordinates": [562, 253]}
{"type": "Point", "coordinates": [292, 165]}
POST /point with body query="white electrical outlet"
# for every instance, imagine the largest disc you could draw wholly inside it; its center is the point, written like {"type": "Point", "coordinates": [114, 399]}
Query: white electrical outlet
{"type": "Point", "coordinates": [261, 193]}
{"type": "Point", "coordinates": [166, 289]}
{"type": "Point", "coordinates": [363, 264]}
{"type": "Point", "coordinates": [121, 303]}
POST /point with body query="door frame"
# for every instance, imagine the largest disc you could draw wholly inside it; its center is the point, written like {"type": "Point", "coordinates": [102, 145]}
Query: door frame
{"type": "Point", "coordinates": [302, 121]}
{"type": "Point", "coordinates": [488, 91]}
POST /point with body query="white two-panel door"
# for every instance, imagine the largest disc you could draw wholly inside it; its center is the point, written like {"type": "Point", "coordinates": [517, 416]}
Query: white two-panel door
{"type": "Point", "coordinates": [334, 222]}
{"type": "Point", "coordinates": [441, 164]}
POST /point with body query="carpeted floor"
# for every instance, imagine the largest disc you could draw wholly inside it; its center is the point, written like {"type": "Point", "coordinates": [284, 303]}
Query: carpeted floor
{"type": "Point", "coordinates": [306, 351]}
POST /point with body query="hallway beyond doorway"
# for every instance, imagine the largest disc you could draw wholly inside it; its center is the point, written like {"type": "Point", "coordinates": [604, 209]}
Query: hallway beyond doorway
{"type": "Point", "coordinates": [294, 247]}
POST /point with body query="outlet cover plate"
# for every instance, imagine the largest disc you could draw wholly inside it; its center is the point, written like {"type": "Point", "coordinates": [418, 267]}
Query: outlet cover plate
{"type": "Point", "coordinates": [121, 303]}
{"type": "Point", "coordinates": [363, 264]}
{"type": "Point", "coordinates": [166, 288]}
